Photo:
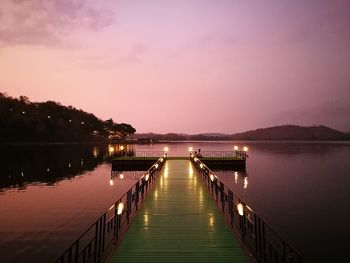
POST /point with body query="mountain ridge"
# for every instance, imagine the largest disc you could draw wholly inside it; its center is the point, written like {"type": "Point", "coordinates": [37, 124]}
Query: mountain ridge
{"type": "Point", "coordinates": [281, 132]}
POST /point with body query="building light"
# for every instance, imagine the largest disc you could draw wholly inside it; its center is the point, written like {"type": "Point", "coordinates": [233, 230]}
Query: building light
{"type": "Point", "coordinates": [235, 148]}
{"type": "Point", "coordinates": [190, 149]}
{"type": "Point", "coordinates": [245, 148]}
{"type": "Point", "coordinates": [166, 149]}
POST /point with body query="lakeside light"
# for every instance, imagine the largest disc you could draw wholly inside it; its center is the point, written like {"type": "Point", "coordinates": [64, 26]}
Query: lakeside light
{"type": "Point", "coordinates": [245, 148]}
{"type": "Point", "coordinates": [212, 177]}
{"type": "Point", "coordinates": [235, 148]}
{"type": "Point", "coordinates": [166, 149]}
{"type": "Point", "coordinates": [147, 176]}
{"type": "Point", "coordinates": [111, 182]}
{"type": "Point", "coordinates": [49, 117]}
{"type": "Point", "coordinates": [122, 147]}
{"type": "Point", "coordinates": [240, 209]}
{"type": "Point", "coordinates": [120, 209]}
{"type": "Point", "coordinates": [190, 149]}
{"type": "Point", "coordinates": [82, 123]}
{"type": "Point", "coordinates": [121, 176]}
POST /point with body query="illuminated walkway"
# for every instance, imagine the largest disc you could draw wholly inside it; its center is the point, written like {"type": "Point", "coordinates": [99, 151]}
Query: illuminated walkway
{"type": "Point", "coordinates": [179, 222]}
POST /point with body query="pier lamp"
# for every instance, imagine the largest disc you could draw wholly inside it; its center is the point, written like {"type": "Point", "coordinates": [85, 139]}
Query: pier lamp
{"type": "Point", "coordinates": [147, 177]}
{"type": "Point", "coordinates": [235, 148]}
{"type": "Point", "coordinates": [190, 149]}
{"type": "Point", "coordinates": [240, 209]}
{"type": "Point", "coordinates": [212, 177]}
{"type": "Point", "coordinates": [245, 148]}
{"type": "Point", "coordinates": [120, 209]}
{"type": "Point", "coordinates": [166, 149]}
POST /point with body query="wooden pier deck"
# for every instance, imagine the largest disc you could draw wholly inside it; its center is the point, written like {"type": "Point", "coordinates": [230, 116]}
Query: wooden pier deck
{"type": "Point", "coordinates": [179, 222]}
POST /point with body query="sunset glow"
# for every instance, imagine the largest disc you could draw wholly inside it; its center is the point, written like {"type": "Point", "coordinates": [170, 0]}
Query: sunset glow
{"type": "Point", "coordinates": [182, 66]}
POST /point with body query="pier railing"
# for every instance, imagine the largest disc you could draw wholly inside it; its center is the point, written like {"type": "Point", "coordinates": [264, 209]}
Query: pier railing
{"type": "Point", "coordinates": [97, 242]}
{"type": "Point", "coordinates": [255, 234]}
{"type": "Point", "coordinates": [148, 154]}
{"type": "Point", "coordinates": [225, 154]}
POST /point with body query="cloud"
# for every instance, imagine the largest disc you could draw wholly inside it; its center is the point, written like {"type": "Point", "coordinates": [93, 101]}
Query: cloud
{"type": "Point", "coordinates": [49, 22]}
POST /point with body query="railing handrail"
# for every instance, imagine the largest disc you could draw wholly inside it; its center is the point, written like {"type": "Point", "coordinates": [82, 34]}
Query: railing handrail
{"type": "Point", "coordinates": [201, 166]}
{"type": "Point", "coordinates": [143, 182]}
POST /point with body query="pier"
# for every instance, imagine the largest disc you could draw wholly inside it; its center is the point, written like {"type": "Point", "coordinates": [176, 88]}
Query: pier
{"type": "Point", "coordinates": [179, 222]}
{"type": "Point", "coordinates": [179, 211]}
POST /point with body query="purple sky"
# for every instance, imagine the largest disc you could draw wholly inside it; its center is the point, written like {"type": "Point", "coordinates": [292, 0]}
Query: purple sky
{"type": "Point", "coordinates": [182, 66]}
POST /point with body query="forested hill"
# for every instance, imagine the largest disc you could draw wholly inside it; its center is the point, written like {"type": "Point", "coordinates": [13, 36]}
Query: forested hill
{"type": "Point", "coordinates": [25, 121]}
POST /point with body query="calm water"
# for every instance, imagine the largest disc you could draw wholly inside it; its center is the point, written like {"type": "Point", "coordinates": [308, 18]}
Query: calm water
{"type": "Point", "coordinates": [50, 194]}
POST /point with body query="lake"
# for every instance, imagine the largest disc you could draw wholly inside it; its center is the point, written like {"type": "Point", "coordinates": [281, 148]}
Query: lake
{"type": "Point", "coordinates": [49, 195]}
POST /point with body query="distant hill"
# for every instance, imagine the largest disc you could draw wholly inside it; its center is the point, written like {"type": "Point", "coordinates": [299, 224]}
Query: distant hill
{"type": "Point", "coordinates": [284, 132]}
{"type": "Point", "coordinates": [291, 132]}
{"type": "Point", "coordinates": [24, 121]}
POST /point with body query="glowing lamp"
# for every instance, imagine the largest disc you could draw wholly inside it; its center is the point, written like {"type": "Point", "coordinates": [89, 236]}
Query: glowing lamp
{"type": "Point", "coordinates": [156, 165]}
{"type": "Point", "coordinates": [235, 148]}
{"type": "Point", "coordinates": [195, 159]}
{"type": "Point", "coordinates": [161, 159]}
{"type": "Point", "coordinates": [122, 147]}
{"type": "Point", "coordinates": [111, 183]}
{"type": "Point", "coordinates": [120, 209]}
{"type": "Point", "coordinates": [201, 166]}
{"type": "Point", "coordinates": [121, 176]}
{"type": "Point", "coordinates": [245, 148]}
{"type": "Point", "coordinates": [147, 176]}
{"type": "Point", "coordinates": [240, 209]}
{"type": "Point", "coordinates": [166, 149]}
{"type": "Point", "coordinates": [190, 149]}
{"type": "Point", "coordinates": [212, 177]}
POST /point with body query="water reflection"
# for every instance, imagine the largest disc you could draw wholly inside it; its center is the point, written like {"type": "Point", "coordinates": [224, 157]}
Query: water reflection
{"type": "Point", "coordinates": [238, 177]}
{"type": "Point", "coordinates": [23, 165]}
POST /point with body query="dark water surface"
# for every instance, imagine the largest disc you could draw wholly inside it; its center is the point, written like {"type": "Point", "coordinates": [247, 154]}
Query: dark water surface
{"type": "Point", "coordinates": [50, 194]}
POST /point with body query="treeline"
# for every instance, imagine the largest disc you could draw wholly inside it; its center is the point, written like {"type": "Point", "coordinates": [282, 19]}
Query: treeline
{"type": "Point", "coordinates": [24, 121]}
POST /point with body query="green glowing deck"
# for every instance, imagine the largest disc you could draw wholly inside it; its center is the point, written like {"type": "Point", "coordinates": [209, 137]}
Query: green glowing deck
{"type": "Point", "coordinates": [179, 222]}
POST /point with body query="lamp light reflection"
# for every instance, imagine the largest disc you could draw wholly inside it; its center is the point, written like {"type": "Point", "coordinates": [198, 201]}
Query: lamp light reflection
{"type": "Point", "coordinates": [245, 186]}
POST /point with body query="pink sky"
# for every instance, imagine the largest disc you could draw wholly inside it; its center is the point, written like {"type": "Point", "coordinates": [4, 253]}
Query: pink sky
{"type": "Point", "coordinates": [182, 66]}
